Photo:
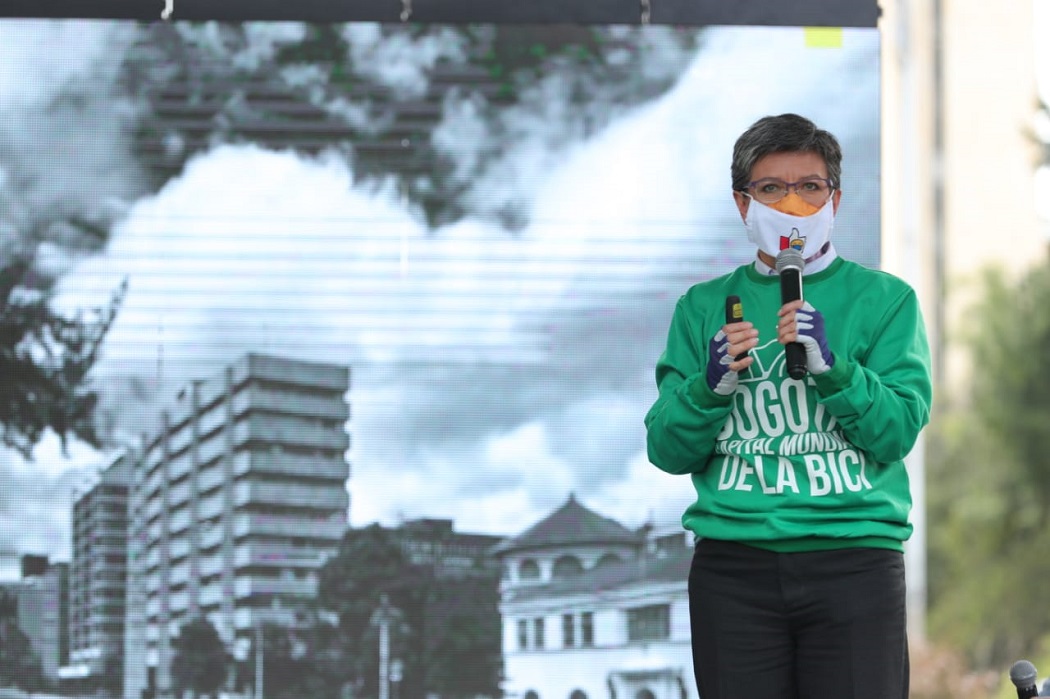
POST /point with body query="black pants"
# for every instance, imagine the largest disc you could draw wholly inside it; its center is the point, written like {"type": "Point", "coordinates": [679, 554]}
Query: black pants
{"type": "Point", "coordinates": [820, 625]}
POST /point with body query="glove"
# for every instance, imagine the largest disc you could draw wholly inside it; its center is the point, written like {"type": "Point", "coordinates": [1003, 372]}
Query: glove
{"type": "Point", "coordinates": [719, 378]}
{"type": "Point", "coordinates": [811, 336]}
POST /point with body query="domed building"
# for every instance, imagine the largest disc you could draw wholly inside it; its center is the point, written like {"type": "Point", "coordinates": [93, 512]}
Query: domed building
{"type": "Point", "coordinates": [594, 610]}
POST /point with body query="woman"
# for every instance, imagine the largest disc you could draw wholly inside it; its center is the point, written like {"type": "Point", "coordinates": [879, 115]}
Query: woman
{"type": "Point", "coordinates": [797, 585]}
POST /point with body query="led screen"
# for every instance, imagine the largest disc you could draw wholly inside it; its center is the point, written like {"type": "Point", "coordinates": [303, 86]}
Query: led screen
{"type": "Point", "coordinates": [486, 226]}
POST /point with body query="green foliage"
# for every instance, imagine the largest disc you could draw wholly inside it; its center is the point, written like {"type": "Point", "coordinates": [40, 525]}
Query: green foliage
{"type": "Point", "coordinates": [302, 661]}
{"type": "Point", "coordinates": [369, 566]}
{"type": "Point", "coordinates": [463, 615]}
{"type": "Point", "coordinates": [200, 659]}
{"type": "Point", "coordinates": [45, 358]}
{"type": "Point", "coordinates": [19, 664]}
{"type": "Point", "coordinates": [444, 630]}
{"type": "Point", "coordinates": [282, 661]}
{"type": "Point", "coordinates": [989, 483]}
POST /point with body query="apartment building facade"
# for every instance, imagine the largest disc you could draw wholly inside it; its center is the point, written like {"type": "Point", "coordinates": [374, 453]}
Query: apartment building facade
{"type": "Point", "coordinates": [98, 578]}
{"type": "Point", "coordinates": [237, 499]}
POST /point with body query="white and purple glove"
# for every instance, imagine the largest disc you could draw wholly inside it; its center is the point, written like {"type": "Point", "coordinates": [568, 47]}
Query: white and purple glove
{"type": "Point", "coordinates": [719, 377]}
{"type": "Point", "coordinates": [811, 335]}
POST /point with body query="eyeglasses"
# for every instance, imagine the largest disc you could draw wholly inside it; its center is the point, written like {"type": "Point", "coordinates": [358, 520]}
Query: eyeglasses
{"type": "Point", "coordinates": [770, 190]}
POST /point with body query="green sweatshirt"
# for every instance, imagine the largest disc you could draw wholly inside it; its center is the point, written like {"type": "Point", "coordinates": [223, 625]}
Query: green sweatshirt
{"type": "Point", "coordinates": [802, 465]}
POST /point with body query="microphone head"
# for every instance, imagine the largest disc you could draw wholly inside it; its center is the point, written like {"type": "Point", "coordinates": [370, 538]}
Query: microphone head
{"type": "Point", "coordinates": [1023, 674]}
{"type": "Point", "coordinates": [790, 258]}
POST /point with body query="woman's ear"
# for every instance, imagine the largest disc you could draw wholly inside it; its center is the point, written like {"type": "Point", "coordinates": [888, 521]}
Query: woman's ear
{"type": "Point", "coordinates": [742, 203]}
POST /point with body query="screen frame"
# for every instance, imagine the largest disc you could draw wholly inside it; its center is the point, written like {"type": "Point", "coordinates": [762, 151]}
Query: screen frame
{"type": "Point", "coordinates": [816, 13]}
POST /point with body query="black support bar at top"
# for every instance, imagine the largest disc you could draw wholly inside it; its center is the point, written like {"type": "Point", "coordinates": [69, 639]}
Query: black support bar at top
{"type": "Point", "coordinates": [817, 13]}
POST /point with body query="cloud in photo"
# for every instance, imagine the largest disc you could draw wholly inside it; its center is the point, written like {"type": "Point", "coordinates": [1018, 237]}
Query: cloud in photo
{"type": "Point", "coordinates": [493, 371]}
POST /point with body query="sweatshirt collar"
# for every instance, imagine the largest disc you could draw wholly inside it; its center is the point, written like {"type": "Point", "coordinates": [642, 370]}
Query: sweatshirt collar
{"type": "Point", "coordinates": [818, 263]}
{"type": "Point", "coordinates": [752, 272]}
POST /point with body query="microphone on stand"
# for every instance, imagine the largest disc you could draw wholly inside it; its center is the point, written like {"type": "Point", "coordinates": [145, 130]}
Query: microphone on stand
{"type": "Point", "coordinates": [1023, 675]}
{"type": "Point", "coordinates": [790, 264]}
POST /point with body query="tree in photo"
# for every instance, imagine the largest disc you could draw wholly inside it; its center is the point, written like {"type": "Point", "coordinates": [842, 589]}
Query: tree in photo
{"type": "Point", "coordinates": [989, 482]}
{"type": "Point", "coordinates": [283, 658]}
{"type": "Point", "coordinates": [200, 659]}
{"type": "Point", "coordinates": [442, 632]}
{"type": "Point", "coordinates": [324, 674]}
{"type": "Point", "coordinates": [464, 638]}
{"type": "Point", "coordinates": [45, 357]}
{"type": "Point", "coordinates": [304, 660]}
{"type": "Point", "coordinates": [67, 178]}
{"type": "Point", "coordinates": [19, 665]}
{"type": "Point", "coordinates": [369, 567]}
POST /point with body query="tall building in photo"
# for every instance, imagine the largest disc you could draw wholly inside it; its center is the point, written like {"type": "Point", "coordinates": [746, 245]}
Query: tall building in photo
{"type": "Point", "coordinates": [593, 610]}
{"type": "Point", "coordinates": [238, 497]}
{"type": "Point", "coordinates": [97, 581]}
{"type": "Point", "coordinates": [43, 614]}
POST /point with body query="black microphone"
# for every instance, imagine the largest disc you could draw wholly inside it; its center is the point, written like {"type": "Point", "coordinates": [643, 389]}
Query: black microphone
{"type": "Point", "coordinates": [1023, 675]}
{"type": "Point", "coordinates": [735, 314]}
{"type": "Point", "coordinates": [790, 264]}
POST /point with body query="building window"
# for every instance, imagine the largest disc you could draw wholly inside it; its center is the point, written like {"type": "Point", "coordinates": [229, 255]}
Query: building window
{"type": "Point", "coordinates": [650, 623]}
{"type": "Point", "coordinates": [537, 633]}
{"type": "Point", "coordinates": [568, 630]}
{"type": "Point", "coordinates": [587, 629]}
{"type": "Point", "coordinates": [523, 634]}
{"type": "Point", "coordinates": [567, 567]}
{"type": "Point", "coordinates": [529, 570]}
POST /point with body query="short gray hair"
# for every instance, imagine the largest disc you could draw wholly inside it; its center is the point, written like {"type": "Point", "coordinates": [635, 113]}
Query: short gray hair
{"type": "Point", "coordinates": [786, 133]}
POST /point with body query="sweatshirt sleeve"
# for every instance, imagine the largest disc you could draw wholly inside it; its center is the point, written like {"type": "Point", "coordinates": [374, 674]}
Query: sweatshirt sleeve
{"type": "Point", "coordinates": [683, 423]}
{"type": "Point", "coordinates": [883, 401]}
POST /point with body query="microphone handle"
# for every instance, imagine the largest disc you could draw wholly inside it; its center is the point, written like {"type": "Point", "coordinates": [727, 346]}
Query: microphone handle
{"type": "Point", "coordinates": [795, 355]}
{"type": "Point", "coordinates": [794, 352]}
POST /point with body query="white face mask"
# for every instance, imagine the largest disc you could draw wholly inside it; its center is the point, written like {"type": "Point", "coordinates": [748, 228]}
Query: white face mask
{"type": "Point", "coordinates": [772, 231]}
